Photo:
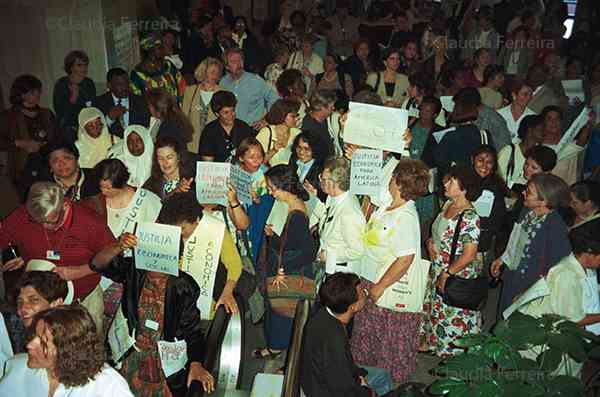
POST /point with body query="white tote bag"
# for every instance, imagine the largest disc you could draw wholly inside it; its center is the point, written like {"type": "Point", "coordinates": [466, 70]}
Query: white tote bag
{"type": "Point", "coordinates": [408, 293]}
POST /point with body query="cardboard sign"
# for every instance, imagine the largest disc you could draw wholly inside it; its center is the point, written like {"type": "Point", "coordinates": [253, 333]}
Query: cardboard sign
{"type": "Point", "coordinates": [158, 248]}
{"type": "Point", "coordinates": [119, 339]}
{"type": "Point", "coordinates": [213, 179]}
{"type": "Point", "coordinates": [366, 171]}
{"type": "Point", "coordinates": [376, 127]}
{"type": "Point", "coordinates": [212, 182]}
{"type": "Point", "coordinates": [173, 356]}
{"type": "Point", "coordinates": [242, 182]}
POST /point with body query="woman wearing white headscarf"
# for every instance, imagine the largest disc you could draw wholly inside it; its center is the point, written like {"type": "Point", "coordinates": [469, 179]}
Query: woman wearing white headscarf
{"type": "Point", "coordinates": [93, 138]}
{"type": "Point", "coordinates": [136, 152]}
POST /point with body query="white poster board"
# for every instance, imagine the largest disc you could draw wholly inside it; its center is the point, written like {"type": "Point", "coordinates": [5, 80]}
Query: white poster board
{"type": "Point", "coordinates": [376, 127]}
{"type": "Point", "coordinates": [158, 248]}
{"type": "Point", "coordinates": [212, 182]}
{"type": "Point", "coordinates": [213, 179]}
{"type": "Point", "coordinates": [366, 171]}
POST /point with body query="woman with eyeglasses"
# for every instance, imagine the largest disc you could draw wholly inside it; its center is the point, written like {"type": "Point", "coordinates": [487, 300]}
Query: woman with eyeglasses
{"type": "Point", "coordinates": [307, 159]}
{"type": "Point", "coordinates": [281, 130]}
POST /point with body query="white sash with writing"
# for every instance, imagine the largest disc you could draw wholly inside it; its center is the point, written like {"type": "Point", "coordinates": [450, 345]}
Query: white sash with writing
{"type": "Point", "coordinates": [131, 216]}
{"type": "Point", "coordinates": [119, 339]}
{"type": "Point", "coordinates": [201, 254]}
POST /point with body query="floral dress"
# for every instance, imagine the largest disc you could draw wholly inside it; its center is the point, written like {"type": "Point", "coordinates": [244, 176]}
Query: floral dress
{"type": "Point", "coordinates": [142, 368]}
{"type": "Point", "coordinates": [449, 323]}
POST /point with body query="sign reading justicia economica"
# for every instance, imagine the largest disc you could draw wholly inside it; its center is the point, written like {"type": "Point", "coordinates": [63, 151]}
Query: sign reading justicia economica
{"type": "Point", "coordinates": [158, 248]}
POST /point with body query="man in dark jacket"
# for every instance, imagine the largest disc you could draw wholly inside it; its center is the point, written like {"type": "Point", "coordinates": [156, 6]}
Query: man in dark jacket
{"type": "Point", "coordinates": [327, 367]}
{"type": "Point", "coordinates": [119, 105]}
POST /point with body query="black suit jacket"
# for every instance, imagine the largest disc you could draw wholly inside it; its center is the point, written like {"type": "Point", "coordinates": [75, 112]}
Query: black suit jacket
{"type": "Point", "coordinates": [138, 110]}
{"type": "Point", "coordinates": [326, 365]}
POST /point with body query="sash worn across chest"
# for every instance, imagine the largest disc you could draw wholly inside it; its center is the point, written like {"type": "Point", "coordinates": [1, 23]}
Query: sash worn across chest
{"type": "Point", "coordinates": [201, 258]}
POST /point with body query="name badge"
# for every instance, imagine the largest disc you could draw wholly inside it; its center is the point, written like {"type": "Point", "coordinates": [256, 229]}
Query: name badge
{"type": "Point", "coordinates": [52, 254]}
{"type": "Point", "coordinates": [153, 325]}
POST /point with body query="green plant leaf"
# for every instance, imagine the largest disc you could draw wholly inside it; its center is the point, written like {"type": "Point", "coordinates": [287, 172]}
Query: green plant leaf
{"type": "Point", "coordinates": [569, 343]}
{"type": "Point", "coordinates": [471, 340]}
{"type": "Point", "coordinates": [448, 386]}
{"type": "Point", "coordinates": [550, 359]}
{"type": "Point", "coordinates": [520, 389]}
{"type": "Point", "coordinates": [595, 352]}
{"type": "Point", "coordinates": [563, 385]}
{"type": "Point", "coordinates": [488, 389]}
{"type": "Point", "coordinates": [467, 366]}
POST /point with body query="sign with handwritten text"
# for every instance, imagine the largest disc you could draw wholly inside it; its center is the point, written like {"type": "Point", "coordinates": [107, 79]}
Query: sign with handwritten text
{"type": "Point", "coordinates": [242, 183]}
{"type": "Point", "coordinates": [376, 127]}
{"type": "Point", "coordinates": [158, 248]}
{"type": "Point", "coordinates": [212, 181]}
{"type": "Point", "coordinates": [173, 356]}
{"type": "Point", "coordinates": [366, 171]}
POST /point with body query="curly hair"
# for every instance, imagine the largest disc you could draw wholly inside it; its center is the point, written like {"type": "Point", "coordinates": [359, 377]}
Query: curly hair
{"type": "Point", "coordinates": [200, 72]}
{"type": "Point", "coordinates": [179, 208]}
{"type": "Point", "coordinates": [21, 86]}
{"type": "Point", "coordinates": [72, 57]}
{"type": "Point", "coordinates": [80, 354]}
{"type": "Point", "coordinates": [412, 178]}
{"type": "Point", "coordinates": [48, 284]}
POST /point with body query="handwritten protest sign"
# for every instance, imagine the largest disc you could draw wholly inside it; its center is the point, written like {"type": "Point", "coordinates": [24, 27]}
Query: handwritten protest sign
{"type": "Point", "coordinates": [213, 179]}
{"type": "Point", "coordinates": [173, 356]}
{"type": "Point", "coordinates": [158, 248]}
{"type": "Point", "coordinates": [376, 127]}
{"type": "Point", "coordinates": [212, 182]}
{"type": "Point", "coordinates": [366, 171]}
{"type": "Point", "coordinates": [242, 182]}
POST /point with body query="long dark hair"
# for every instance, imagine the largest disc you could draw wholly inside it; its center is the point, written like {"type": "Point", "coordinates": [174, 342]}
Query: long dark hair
{"type": "Point", "coordinates": [166, 106]}
{"type": "Point", "coordinates": [154, 184]}
{"type": "Point", "coordinates": [285, 178]}
{"type": "Point", "coordinates": [493, 178]}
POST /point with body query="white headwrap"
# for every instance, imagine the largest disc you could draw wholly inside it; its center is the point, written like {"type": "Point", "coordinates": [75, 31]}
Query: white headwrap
{"type": "Point", "coordinates": [93, 150]}
{"type": "Point", "coordinates": [139, 167]}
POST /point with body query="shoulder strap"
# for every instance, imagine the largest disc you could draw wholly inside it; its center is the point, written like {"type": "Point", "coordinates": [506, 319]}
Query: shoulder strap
{"type": "Point", "coordinates": [270, 138]}
{"type": "Point", "coordinates": [318, 78]}
{"type": "Point", "coordinates": [510, 169]}
{"type": "Point", "coordinates": [377, 82]}
{"type": "Point", "coordinates": [342, 80]}
{"type": "Point", "coordinates": [484, 137]}
{"type": "Point", "coordinates": [455, 238]}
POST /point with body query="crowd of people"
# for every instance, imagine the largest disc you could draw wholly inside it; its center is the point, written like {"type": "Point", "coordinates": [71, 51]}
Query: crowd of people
{"type": "Point", "coordinates": [498, 185]}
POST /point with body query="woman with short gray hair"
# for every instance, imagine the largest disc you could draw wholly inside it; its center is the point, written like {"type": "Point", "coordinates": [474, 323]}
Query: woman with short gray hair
{"type": "Point", "coordinates": [539, 238]}
{"type": "Point", "coordinates": [341, 229]}
{"type": "Point", "coordinates": [43, 199]}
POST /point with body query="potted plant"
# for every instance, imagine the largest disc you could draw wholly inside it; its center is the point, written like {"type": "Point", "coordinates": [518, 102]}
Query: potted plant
{"type": "Point", "coordinates": [524, 356]}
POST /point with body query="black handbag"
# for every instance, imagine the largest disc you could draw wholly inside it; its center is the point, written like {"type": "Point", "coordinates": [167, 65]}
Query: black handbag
{"type": "Point", "coordinates": [464, 293]}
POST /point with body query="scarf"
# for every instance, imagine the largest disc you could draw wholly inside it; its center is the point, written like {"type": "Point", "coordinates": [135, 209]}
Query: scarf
{"type": "Point", "coordinates": [139, 167]}
{"type": "Point", "coordinates": [92, 150]}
